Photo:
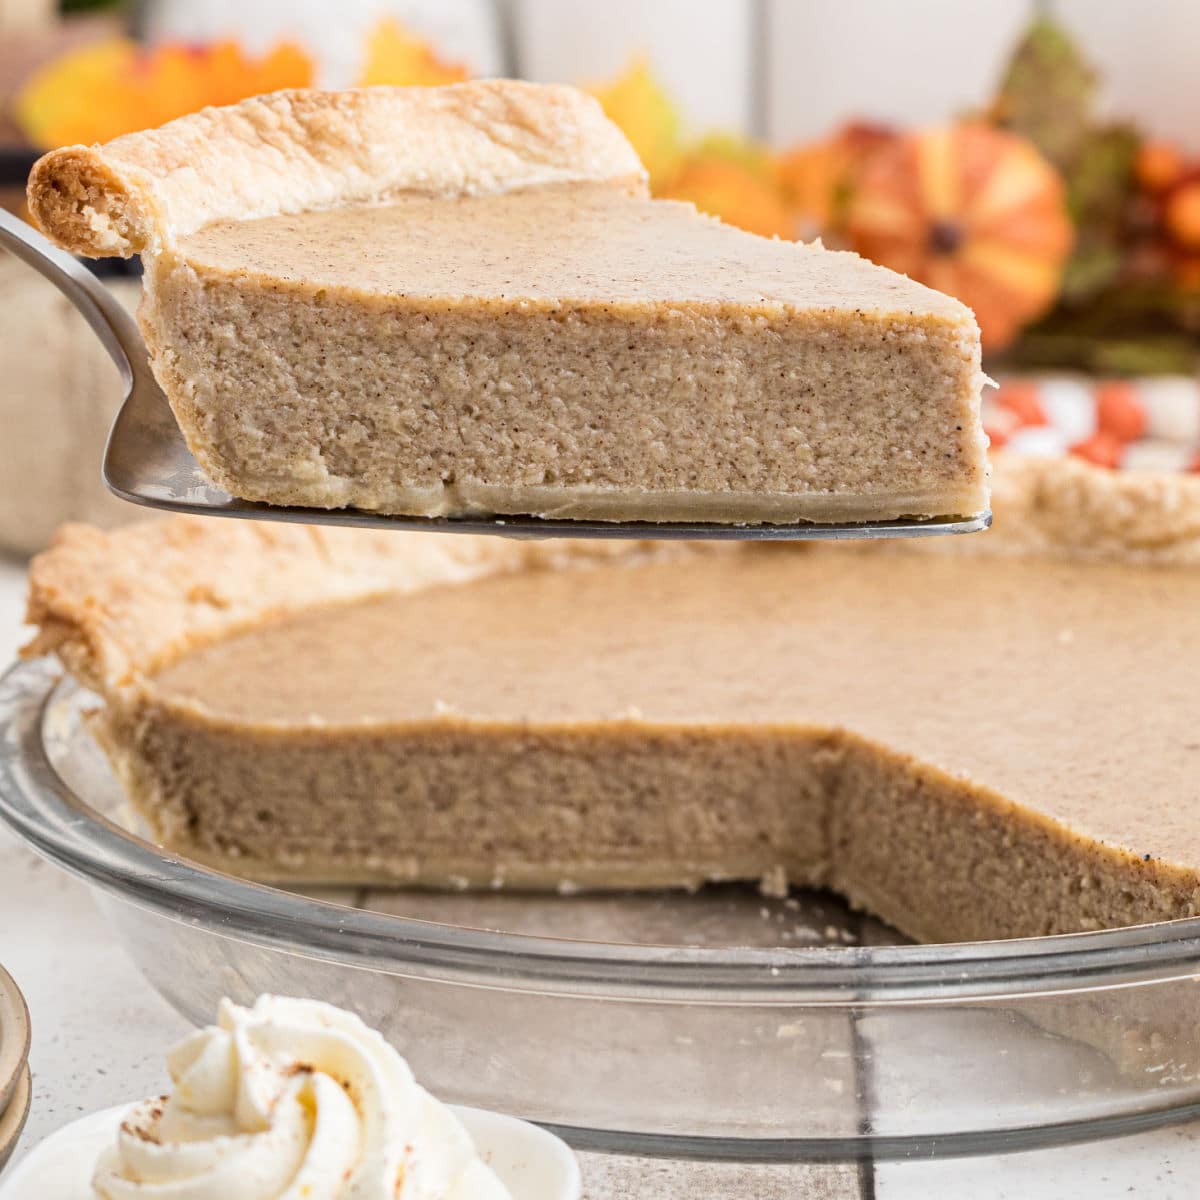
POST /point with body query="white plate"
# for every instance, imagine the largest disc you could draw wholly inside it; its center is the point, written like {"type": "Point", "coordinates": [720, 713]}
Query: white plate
{"type": "Point", "coordinates": [531, 1163]}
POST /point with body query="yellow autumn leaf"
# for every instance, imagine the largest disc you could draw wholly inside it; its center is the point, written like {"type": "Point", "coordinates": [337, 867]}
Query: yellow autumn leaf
{"type": "Point", "coordinates": [57, 105]}
{"type": "Point", "coordinates": [397, 56]}
{"type": "Point", "coordinates": [113, 87]}
{"type": "Point", "coordinates": [638, 104]}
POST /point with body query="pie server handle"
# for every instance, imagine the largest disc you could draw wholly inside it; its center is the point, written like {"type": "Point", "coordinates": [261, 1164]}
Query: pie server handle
{"type": "Point", "coordinates": [146, 459]}
{"type": "Point", "coordinates": [116, 329]}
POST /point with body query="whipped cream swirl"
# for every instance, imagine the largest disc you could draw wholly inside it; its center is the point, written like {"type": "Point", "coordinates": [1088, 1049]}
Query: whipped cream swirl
{"type": "Point", "coordinates": [292, 1100]}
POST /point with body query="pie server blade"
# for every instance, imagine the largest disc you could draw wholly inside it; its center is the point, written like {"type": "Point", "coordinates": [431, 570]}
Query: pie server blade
{"type": "Point", "coordinates": [148, 462]}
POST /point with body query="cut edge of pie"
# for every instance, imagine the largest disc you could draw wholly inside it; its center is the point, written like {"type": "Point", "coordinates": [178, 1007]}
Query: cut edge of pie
{"type": "Point", "coordinates": [798, 398]}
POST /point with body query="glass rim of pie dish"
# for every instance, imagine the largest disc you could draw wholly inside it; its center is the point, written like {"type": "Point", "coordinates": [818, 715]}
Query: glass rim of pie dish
{"type": "Point", "coordinates": [44, 810]}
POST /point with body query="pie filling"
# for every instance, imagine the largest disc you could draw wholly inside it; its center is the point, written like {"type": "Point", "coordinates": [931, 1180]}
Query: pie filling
{"type": "Point", "coordinates": [463, 299]}
{"type": "Point", "coordinates": [570, 351]}
{"type": "Point", "coordinates": [971, 747]}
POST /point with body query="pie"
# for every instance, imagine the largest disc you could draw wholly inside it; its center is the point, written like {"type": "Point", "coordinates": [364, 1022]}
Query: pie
{"type": "Point", "coordinates": [461, 300]}
{"type": "Point", "coordinates": [991, 742]}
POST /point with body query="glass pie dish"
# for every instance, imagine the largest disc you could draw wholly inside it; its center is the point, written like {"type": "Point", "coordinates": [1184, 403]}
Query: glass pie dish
{"type": "Point", "coordinates": [15, 1081]}
{"type": "Point", "coordinates": [718, 1025]}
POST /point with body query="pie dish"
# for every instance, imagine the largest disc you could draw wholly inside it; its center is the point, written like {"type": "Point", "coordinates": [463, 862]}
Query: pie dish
{"type": "Point", "coordinates": [14, 1116]}
{"type": "Point", "coordinates": [14, 1064]}
{"type": "Point", "coordinates": [461, 300]}
{"type": "Point", "coordinates": [311, 704]}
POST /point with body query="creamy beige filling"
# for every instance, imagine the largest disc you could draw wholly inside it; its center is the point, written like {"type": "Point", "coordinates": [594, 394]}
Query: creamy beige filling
{"type": "Point", "coordinates": [901, 649]}
{"type": "Point", "coordinates": [972, 748]}
{"type": "Point", "coordinates": [586, 243]}
{"type": "Point", "coordinates": [572, 350]}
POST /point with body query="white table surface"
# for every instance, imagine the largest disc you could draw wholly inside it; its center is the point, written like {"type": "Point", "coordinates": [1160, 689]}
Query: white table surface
{"type": "Point", "coordinates": [99, 1035]}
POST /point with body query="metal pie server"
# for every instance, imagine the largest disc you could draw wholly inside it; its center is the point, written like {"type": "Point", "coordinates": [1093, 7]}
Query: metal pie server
{"type": "Point", "coordinates": [148, 462]}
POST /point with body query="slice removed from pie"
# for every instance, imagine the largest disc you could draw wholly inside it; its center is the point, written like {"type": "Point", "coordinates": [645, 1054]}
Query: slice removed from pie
{"type": "Point", "coordinates": [461, 300]}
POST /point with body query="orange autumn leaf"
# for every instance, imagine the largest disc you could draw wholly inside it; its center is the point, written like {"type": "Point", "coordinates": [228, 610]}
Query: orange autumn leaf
{"type": "Point", "coordinates": [818, 177]}
{"type": "Point", "coordinates": [113, 87]}
{"type": "Point", "coordinates": [230, 76]}
{"type": "Point", "coordinates": [735, 192]}
{"type": "Point", "coordinates": [396, 56]}
{"type": "Point", "coordinates": [733, 147]}
{"type": "Point", "coordinates": [638, 105]}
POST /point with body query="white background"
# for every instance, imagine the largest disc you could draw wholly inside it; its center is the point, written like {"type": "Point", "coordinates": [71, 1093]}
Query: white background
{"type": "Point", "coordinates": [787, 69]}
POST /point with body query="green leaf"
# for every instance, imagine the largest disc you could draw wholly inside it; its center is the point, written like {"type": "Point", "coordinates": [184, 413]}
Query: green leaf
{"type": "Point", "coordinates": [1089, 270]}
{"type": "Point", "coordinates": [75, 6]}
{"type": "Point", "coordinates": [1047, 92]}
{"type": "Point", "coordinates": [1101, 181]}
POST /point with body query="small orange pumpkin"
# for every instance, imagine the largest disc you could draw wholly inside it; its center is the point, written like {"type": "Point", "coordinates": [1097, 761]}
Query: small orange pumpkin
{"type": "Point", "coordinates": [1181, 214]}
{"type": "Point", "coordinates": [1158, 166]}
{"type": "Point", "coordinates": [972, 211]}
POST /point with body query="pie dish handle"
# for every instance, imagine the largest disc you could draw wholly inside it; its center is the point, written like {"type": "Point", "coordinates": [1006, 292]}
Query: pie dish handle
{"type": "Point", "coordinates": [116, 329]}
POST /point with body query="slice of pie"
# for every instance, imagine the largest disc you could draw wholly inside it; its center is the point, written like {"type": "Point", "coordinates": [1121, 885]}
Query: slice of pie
{"type": "Point", "coordinates": [330, 705]}
{"type": "Point", "coordinates": [461, 300]}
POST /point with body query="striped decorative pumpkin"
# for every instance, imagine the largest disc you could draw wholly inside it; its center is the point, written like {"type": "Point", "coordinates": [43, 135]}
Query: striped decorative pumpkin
{"type": "Point", "coordinates": [972, 211]}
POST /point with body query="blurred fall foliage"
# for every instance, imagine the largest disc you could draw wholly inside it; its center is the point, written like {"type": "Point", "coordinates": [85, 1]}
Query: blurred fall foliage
{"type": "Point", "coordinates": [1075, 240]}
{"type": "Point", "coordinates": [737, 181]}
{"type": "Point", "coordinates": [101, 91]}
{"type": "Point", "coordinates": [396, 56]}
{"type": "Point", "coordinates": [966, 208]}
{"type": "Point", "coordinates": [636, 101]}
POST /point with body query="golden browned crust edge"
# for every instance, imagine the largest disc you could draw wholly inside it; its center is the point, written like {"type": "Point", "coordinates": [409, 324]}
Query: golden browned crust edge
{"type": "Point", "coordinates": [298, 150]}
{"type": "Point", "coordinates": [116, 606]}
{"type": "Point", "coordinates": [1067, 508]}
